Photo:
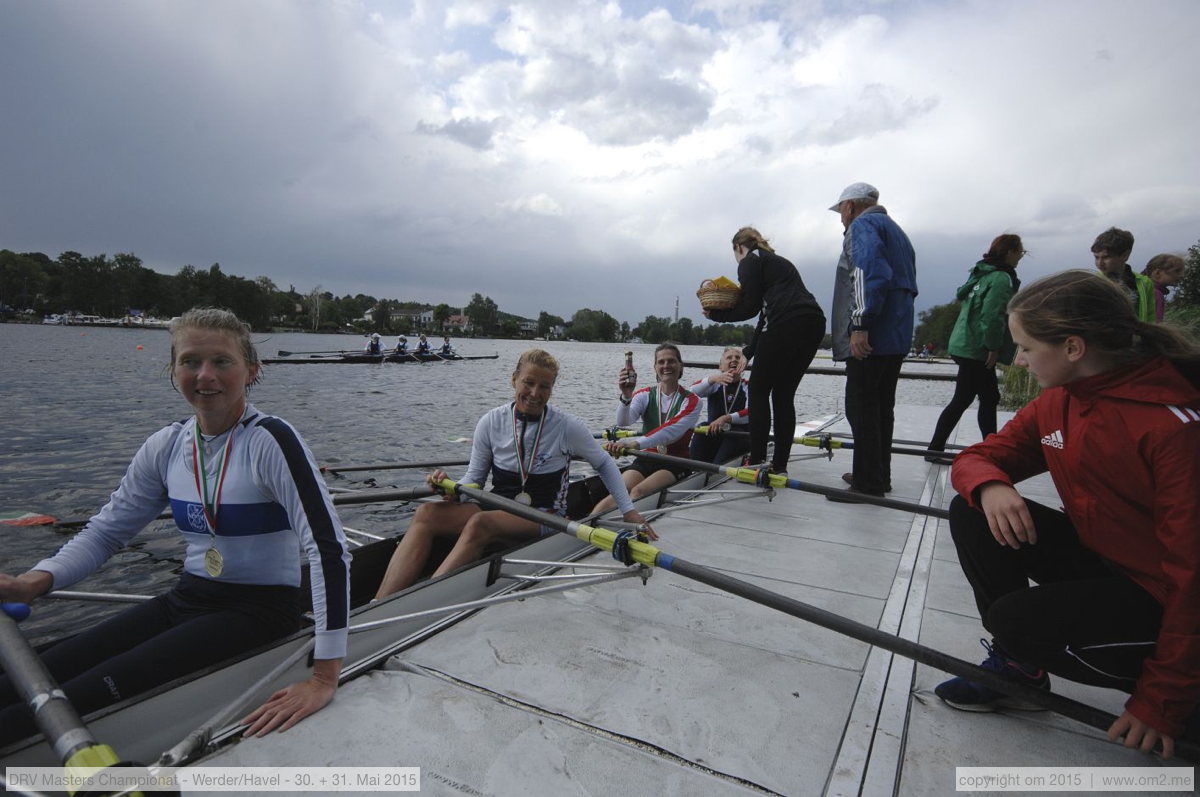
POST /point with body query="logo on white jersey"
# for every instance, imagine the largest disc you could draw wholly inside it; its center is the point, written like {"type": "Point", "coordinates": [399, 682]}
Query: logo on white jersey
{"type": "Point", "coordinates": [1054, 439]}
{"type": "Point", "coordinates": [196, 518]}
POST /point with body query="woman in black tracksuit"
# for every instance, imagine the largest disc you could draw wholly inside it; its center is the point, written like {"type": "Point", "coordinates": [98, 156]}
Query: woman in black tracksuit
{"type": "Point", "coordinates": [790, 328]}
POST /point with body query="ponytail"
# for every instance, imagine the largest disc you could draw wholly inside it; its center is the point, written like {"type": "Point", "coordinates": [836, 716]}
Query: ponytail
{"type": "Point", "coordinates": [1166, 340]}
{"type": "Point", "coordinates": [751, 239]}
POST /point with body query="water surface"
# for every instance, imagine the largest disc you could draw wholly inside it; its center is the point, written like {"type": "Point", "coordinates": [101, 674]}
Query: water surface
{"type": "Point", "coordinates": [76, 403]}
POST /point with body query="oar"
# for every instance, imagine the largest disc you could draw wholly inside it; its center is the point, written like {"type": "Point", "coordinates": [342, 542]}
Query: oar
{"type": "Point", "coordinates": [760, 477]}
{"type": "Point", "coordinates": [949, 446]}
{"type": "Point", "coordinates": [99, 597]}
{"type": "Point", "coordinates": [824, 441]}
{"type": "Point", "coordinates": [646, 554]}
{"type": "Point", "coordinates": [371, 496]}
{"type": "Point", "coordinates": [53, 713]}
{"type": "Point", "coordinates": [357, 497]}
{"type": "Point", "coordinates": [826, 371]}
{"type": "Point", "coordinates": [397, 466]}
{"type": "Point", "coordinates": [290, 353]}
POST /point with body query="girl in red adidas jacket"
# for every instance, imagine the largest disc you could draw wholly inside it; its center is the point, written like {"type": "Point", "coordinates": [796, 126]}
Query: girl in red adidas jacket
{"type": "Point", "coordinates": [1117, 573]}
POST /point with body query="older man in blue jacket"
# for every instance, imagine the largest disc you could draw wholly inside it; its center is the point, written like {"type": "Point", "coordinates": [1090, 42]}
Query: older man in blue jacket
{"type": "Point", "coordinates": [872, 326]}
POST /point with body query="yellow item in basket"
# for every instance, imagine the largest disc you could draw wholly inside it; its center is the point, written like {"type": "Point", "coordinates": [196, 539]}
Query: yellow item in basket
{"type": "Point", "coordinates": [718, 294]}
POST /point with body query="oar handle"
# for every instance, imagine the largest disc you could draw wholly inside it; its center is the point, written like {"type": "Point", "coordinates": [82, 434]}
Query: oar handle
{"type": "Point", "coordinates": [614, 433]}
{"type": "Point", "coordinates": [605, 539]}
{"type": "Point", "coordinates": [53, 713]}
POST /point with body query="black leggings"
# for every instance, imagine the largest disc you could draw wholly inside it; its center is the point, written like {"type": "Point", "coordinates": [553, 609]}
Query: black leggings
{"type": "Point", "coordinates": [719, 448]}
{"type": "Point", "coordinates": [1084, 620]}
{"type": "Point", "coordinates": [974, 379]}
{"type": "Point", "coordinates": [781, 356]}
{"type": "Point", "coordinates": [198, 623]}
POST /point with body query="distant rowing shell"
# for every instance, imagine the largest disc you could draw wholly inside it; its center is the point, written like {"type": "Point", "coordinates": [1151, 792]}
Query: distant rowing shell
{"type": "Point", "coordinates": [356, 359]}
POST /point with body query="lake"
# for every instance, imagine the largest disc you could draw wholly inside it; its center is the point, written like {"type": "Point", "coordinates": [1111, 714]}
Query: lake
{"type": "Point", "coordinates": [77, 402]}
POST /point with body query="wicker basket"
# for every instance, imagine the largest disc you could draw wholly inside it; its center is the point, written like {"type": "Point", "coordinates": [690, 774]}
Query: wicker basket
{"type": "Point", "coordinates": [717, 297]}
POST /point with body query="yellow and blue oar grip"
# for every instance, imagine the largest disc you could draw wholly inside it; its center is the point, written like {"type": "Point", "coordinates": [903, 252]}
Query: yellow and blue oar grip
{"type": "Point", "coordinates": [450, 487]}
{"type": "Point", "coordinates": [641, 552]}
{"type": "Point", "coordinates": [87, 762]}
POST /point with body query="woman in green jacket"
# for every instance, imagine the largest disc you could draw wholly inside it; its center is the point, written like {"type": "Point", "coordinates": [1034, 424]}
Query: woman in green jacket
{"type": "Point", "coordinates": [980, 338]}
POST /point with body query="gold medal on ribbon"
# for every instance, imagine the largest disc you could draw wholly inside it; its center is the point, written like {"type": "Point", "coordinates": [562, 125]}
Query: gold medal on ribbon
{"type": "Point", "coordinates": [525, 464]}
{"type": "Point", "coordinates": [214, 563]}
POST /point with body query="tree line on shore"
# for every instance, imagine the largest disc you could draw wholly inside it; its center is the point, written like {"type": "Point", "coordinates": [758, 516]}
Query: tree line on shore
{"type": "Point", "coordinates": [33, 285]}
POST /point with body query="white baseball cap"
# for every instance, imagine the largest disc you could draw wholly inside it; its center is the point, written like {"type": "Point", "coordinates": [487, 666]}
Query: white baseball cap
{"type": "Point", "coordinates": [856, 191]}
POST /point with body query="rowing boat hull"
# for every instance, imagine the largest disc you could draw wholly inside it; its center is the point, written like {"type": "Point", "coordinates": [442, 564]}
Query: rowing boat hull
{"type": "Point", "coordinates": [360, 359]}
{"type": "Point", "coordinates": [144, 726]}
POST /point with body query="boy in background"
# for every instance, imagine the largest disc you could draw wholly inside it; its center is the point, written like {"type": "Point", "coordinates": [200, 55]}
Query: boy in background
{"type": "Point", "coordinates": [1112, 249]}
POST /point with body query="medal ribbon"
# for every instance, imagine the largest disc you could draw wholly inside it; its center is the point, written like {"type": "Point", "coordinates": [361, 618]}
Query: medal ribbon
{"type": "Point", "coordinates": [673, 406]}
{"type": "Point", "coordinates": [519, 440]}
{"type": "Point", "coordinates": [725, 395]}
{"type": "Point", "coordinates": [210, 507]}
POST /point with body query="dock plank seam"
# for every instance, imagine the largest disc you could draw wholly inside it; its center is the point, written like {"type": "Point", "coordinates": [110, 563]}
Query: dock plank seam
{"type": "Point", "coordinates": [617, 738]}
{"type": "Point", "coordinates": [868, 760]}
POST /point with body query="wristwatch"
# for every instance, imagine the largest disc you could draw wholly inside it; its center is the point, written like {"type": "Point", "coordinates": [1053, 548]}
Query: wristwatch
{"type": "Point", "coordinates": [626, 401]}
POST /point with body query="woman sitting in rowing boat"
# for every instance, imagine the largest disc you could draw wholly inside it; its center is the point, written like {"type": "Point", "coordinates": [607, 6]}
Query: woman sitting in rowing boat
{"type": "Point", "coordinates": [1118, 575]}
{"type": "Point", "coordinates": [668, 413]}
{"type": "Point", "coordinates": [527, 445]}
{"type": "Point", "coordinates": [727, 395]}
{"type": "Point", "coordinates": [247, 497]}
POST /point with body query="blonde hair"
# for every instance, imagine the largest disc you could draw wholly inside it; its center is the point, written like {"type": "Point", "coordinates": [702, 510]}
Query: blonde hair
{"type": "Point", "coordinates": [749, 238]}
{"type": "Point", "coordinates": [217, 320]}
{"type": "Point", "coordinates": [1090, 306]}
{"type": "Point", "coordinates": [538, 358]}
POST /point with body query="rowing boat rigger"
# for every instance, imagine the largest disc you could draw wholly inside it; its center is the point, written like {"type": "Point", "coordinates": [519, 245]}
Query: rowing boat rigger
{"type": "Point", "coordinates": [184, 714]}
{"type": "Point", "coordinates": [681, 686]}
{"type": "Point", "coordinates": [702, 681]}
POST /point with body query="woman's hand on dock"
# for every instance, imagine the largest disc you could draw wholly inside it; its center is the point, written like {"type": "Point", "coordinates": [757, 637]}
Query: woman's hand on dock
{"type": "Point", "coordinates": [288, 706]}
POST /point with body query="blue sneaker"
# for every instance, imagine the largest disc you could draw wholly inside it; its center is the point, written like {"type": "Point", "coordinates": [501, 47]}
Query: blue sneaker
{"type": "Point", "coordinates": [967, 695]}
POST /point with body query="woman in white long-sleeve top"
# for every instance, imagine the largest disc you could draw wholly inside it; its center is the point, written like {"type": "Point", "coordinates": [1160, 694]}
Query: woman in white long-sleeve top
{"type": "Point", "coordinates": [248, 498]}
{"type": "Point", "coordinates": [526, 445]}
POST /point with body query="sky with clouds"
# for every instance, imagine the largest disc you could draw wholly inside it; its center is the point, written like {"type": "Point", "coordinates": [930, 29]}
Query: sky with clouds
{"type": "Point", "coordinates": [556, 155]}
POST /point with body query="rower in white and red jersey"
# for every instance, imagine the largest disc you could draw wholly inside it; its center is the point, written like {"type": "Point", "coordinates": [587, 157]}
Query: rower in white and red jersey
{"type": "Point", "coordinates": [668, 412]}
